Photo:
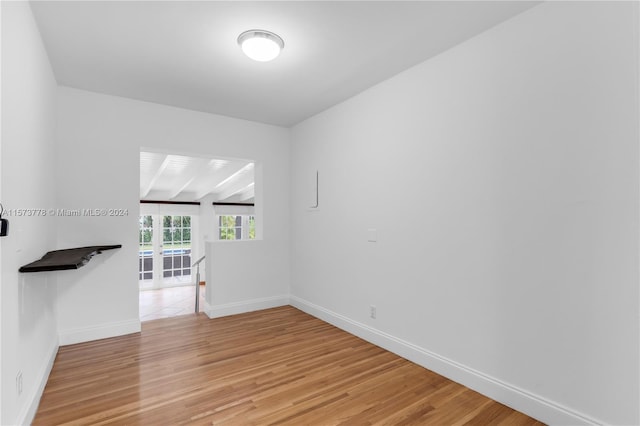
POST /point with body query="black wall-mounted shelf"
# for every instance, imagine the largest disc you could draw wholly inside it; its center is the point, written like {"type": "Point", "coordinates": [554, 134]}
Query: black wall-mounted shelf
{"type": "Point", "coordinates": [59, 260]}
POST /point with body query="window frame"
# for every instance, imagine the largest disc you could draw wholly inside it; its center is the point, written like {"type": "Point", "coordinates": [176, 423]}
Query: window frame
{"type": "Point", "coordinates": [243, 225]}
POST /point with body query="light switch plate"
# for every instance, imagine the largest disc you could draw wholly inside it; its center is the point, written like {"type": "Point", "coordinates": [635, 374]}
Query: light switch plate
{"type": "Point", "coordinates": [372, 235]}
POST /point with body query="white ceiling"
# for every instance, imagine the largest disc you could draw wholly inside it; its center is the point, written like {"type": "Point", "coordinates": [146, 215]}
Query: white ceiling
{"type": "Point", "coordinates": [169, 177]}
{"type": "Point", "coordinates": [184, 53]}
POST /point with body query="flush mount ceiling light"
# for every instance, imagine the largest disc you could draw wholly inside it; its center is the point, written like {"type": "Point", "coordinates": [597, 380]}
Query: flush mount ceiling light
{"type": "Point", "coordinates": [260, 45]}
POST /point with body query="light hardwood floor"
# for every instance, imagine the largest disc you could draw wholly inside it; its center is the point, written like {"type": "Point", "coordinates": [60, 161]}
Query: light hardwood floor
{"type": "Point", "coordinates": [169, 302]}
{"type": "Point", "coordinates": [278, 366]}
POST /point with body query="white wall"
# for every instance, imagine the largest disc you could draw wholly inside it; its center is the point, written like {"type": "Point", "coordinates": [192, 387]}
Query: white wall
{"type": "Point", "coordinates": [502, 178]}
{"type": "Point", "coordinates": [29, 334]}
{"type": "Point", "coordinates": [244, 276]}
{"type": "Point", "coordinates": [99, 139]}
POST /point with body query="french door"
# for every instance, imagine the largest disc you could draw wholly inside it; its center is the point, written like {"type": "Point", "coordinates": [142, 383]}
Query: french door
{"type": "Point", "coordinates": [165, 250]}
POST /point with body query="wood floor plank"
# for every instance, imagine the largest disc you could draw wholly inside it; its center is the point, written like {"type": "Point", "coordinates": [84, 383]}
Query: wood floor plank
{"type": "Point", "coordinates": [273, 367]}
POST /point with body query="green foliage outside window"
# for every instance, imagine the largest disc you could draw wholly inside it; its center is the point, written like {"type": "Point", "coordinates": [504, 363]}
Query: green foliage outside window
{"type": "Point", "coordinates": [176, 231]}
{"type": "Point", "coordinates": [252, 228]}
{"type": "Point", "coordinates": [146, 232]}
{"type": "Point", "coordinates": [236, 227]}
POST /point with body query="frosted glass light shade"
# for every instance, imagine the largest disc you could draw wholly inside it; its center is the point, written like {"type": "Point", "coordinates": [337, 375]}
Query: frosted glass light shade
{"type": "Point", "coordinates": [260, 45]}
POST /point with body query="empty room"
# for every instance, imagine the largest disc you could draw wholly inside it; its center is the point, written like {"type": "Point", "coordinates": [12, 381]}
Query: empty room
{"type": "Point", "coordinates": [421, 212]}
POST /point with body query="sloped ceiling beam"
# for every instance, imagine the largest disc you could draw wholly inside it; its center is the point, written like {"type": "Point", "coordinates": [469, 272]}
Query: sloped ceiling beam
{"type": "Point", "coordinates": [236, 186]}
{"type": "Point", "coordinates": [195, 173]}
{"type": "Point", "coordinates": [156, 176]}
{"type": "Point", "coordinates": [225, 175]}
{"type": "Point", "coordinates": [248, 193]}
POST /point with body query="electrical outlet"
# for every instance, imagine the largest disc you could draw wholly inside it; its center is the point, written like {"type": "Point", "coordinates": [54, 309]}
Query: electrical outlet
{"type": "Point", "coordinates": [19, 383]}
{"type": "Point", "coordinates": [373, 311]}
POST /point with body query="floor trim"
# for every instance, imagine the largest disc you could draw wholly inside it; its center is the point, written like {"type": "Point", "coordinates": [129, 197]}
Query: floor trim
{"type": "Point", "coordinates": [28, 413]}
{"type": "Point", "coordinates": [216, 311]}
{"type": "Point", "coordinates": [509, 395]}
{"type": "Point", "coordinates": [102, 331]}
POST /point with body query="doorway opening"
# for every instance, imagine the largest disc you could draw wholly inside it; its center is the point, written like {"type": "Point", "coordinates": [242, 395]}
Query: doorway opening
{"type": "Point", "coordinates": [164, 250]}
{"type": "Point", "coordinates": [165, 255]}
{"type": "Point", "coordinates": [177, 216]}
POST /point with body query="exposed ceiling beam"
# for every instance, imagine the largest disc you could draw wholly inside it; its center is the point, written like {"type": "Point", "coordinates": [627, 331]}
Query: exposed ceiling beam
{"type": "Point", "coordinates": [194, 174]}
{"type": "Point", "coordinates": [248, 193]}
{"type": "Point", "coordinates": [236, 187]}
{"type": "Point", "coordinates": [156, 176]}
{"type": "Point", "coordinates": [244, 169]}
{"type": "Point", "coordinates": [221, 178]}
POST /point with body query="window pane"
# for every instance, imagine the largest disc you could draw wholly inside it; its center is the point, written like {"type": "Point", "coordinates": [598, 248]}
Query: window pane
{"type": "Point", "coordinates": [252, 228]}
{"type": "Point", "coordinates": [145, 263]}
{"type": "Point", "coordinates": [177, 221]}
{"type": "Point", "coordinates": [236, 227]}
{"type": "Point", "coordinates": [147, 235]}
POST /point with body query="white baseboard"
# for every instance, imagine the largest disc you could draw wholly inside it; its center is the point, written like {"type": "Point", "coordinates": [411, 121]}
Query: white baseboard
{"type": "Point", "coordinates": [216, 311]}
{"type": "Point", "coordinates": [509, 395]}
{"type": "Point", "coordinates": [205, 307]}
{"type": "Point", "coordinates": [102, 331]}
{"type": "Point", "coordinates": [28, 413]}
{"type": "Point", "coordinates": [162, 287]}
